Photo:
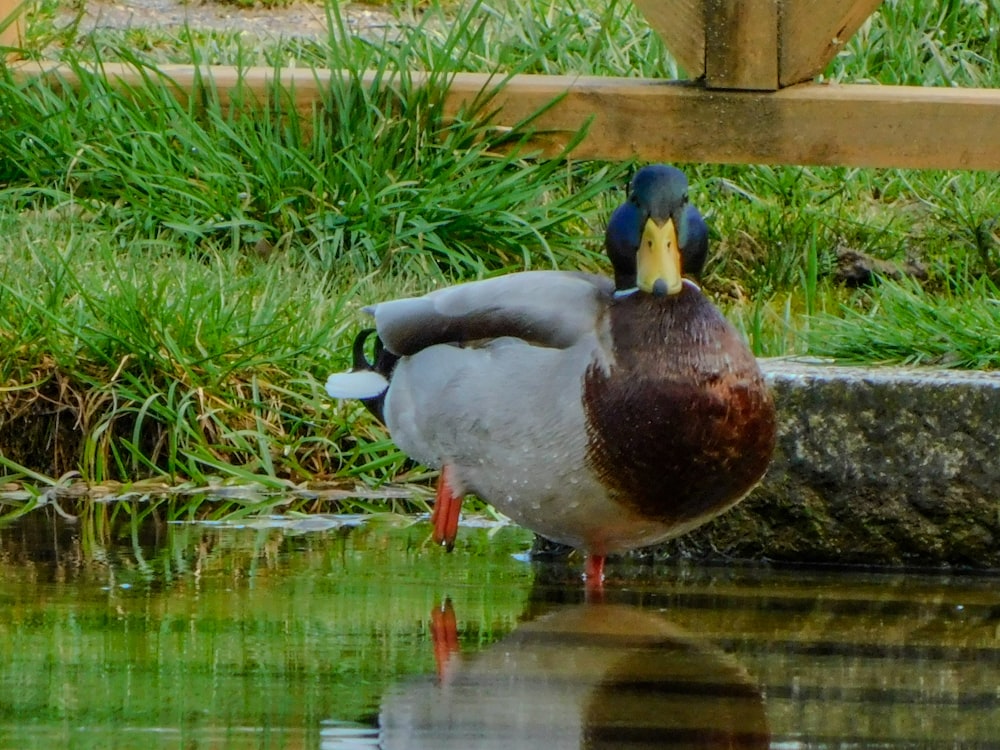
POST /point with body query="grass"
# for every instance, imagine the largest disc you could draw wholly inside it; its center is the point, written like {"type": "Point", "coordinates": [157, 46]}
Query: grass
{"type": "Point", "coordinates": [179, 277]}
{"type": "Point", "coordinates": [902, 323]}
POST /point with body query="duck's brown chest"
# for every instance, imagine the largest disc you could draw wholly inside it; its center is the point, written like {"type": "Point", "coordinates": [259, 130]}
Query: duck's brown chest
{"type": "Point", "coordinates": [682, 425]}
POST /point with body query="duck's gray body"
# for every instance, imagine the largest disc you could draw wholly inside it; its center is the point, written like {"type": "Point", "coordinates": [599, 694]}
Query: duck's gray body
{"type": "Point", "coordinates": [513, 438]}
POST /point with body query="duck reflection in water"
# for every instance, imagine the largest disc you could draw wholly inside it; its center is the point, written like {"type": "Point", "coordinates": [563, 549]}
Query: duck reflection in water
{"type": "Point", "coordinates": [595, 675]}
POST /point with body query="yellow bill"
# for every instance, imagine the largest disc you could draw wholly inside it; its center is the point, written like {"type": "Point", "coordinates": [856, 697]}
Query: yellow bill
{"type": "Point", "coordinates": [658, 265]}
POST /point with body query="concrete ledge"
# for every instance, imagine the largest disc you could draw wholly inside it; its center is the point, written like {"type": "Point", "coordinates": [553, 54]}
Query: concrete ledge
{"type": "Point", "coordinates": [876, 466]}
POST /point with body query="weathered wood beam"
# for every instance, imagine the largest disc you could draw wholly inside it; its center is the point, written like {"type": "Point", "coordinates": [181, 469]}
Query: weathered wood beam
{"type": "Point", "coordinates": [813, 31]}
{"type": "Point", "coordinates": [741, 44]}
{"type": "Point", "coordinates": [11, 27]}
{"type": "Point", "coordinates": [681, 26]}
{"type": "Point", "coordinates": [851, 125]}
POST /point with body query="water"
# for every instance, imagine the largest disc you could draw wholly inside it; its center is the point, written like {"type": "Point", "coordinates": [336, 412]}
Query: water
{"type": "Point", "coordinates": [320, 634]}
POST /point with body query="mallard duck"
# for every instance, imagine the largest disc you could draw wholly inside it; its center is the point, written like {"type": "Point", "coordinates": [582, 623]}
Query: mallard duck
{"type": "Point", "coordinates": [603, 415]}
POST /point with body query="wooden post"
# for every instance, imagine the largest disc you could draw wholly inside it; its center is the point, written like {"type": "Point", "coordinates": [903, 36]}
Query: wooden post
{"type": "Point", "coordinates": [11, 28]}
{"type": "Point", "coordinates": [741, 44]}
{"type": "Point", "coordinates": [755, 44]}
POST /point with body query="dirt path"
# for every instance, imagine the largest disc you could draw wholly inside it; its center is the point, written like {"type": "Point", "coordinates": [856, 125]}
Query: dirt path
{"type": "Point", "coordinates": [301, 19]}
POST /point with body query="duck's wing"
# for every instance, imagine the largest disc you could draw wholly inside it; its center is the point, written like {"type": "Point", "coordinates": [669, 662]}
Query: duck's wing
{"type": "Point", "coordinates": [546, 308]}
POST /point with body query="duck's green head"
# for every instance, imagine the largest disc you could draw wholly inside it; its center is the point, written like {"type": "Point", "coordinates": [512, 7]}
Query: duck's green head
{"type": "Point", "coordinates": [656, 237]}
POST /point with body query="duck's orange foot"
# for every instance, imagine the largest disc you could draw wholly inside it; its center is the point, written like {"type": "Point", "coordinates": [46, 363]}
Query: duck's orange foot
{"type": "Point", "coordinates": [447, 508]}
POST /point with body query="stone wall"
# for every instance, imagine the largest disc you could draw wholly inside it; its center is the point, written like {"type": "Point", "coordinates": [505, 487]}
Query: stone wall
{"type": "Point", "coordinates": [877, 466]}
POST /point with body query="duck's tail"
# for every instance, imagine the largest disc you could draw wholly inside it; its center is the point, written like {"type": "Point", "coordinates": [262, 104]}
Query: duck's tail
{"type": "Point", "coordinates": [367, 381]}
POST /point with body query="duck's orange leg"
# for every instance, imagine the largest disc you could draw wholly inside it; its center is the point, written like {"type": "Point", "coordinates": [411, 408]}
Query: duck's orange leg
{"type": "Point", "coordinates": [447, 508]}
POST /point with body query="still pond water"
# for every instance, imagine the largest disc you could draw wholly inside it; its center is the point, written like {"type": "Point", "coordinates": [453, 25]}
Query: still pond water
{"type": "Point", "coordinates": [314, 634]}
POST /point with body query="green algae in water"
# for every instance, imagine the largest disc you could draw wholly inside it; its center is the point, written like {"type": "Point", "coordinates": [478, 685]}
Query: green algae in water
{"type": "Point", "coordinates": [317, 631]}
{"type": "Point", "coordinates": [235, 637]}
